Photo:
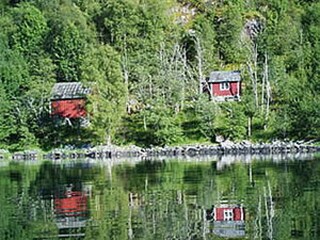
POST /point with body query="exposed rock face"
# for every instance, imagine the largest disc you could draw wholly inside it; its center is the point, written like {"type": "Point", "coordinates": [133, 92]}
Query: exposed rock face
{"type": "Point", "coordinates": [252, 28]}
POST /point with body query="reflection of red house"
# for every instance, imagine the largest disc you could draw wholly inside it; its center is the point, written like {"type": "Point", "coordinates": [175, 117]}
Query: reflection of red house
{"type": "Point", "coordinates": [71, 210]}
{"type": "Point", "coordinates": [73, 204]}
{"type": "Point", "coordinates": [228, 220]}
{"type": "Point", "coordinates": [227, 213]}
{"type": "Point", "coordinates": [68, 100]}
{"type": "Point", "coordinates": [224, 85]}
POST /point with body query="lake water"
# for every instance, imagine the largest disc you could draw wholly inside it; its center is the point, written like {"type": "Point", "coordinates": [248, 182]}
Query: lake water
{"type": "Point", "coordinates": [272, 198]}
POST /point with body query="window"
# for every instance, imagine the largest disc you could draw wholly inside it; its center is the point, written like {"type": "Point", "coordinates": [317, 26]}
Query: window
{"type": "Point", "coordinates": [224, 86]}
{"type": "Point", "coordinates": [228, 215]}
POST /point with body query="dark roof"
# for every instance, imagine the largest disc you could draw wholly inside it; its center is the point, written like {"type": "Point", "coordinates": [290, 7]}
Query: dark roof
{"type": "Point", "coordinates": [69, 90]}
{"type": "Point", "coordinates": [225, 76]}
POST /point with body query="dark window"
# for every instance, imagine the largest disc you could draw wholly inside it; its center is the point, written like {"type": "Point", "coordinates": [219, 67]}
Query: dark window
{"type": "Point", "coordinates": [224, 86]}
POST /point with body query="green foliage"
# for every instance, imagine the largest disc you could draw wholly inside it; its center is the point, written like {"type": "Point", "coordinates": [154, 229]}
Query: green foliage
{"type": "Point", "coordinates": [162, 198]}
{"type": "Point", "coordinates": [205, 112]}
{"type": "Point", "coordinates": [101, 71]}
{"type": "Point", "coordinates": [229, 25]}
{"type": "Point", "coordinates": [156, 125]}
{"type": "Point", "coordinates": [135, 54]}
{"type": "Point", "coordinates": [161, 126]}
{"type": "Point", "coordinates": [70, 35]}
{"type": "Point", "coordinates": [231, 122]}
{"type": "Point", "coordinates": [31, 30]}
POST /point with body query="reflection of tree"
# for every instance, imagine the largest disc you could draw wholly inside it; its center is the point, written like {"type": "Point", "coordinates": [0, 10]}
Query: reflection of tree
{"type": "Point", "coordinates": [172, 202]}
{"type": "Point", "coordinates": [63, 192]}
{"type": "Point", "coordinates": [71, 213]}
{"type": "Point", "coordinates": [161, 199]}
{"type": "Point", "coordinates": [22, 214]}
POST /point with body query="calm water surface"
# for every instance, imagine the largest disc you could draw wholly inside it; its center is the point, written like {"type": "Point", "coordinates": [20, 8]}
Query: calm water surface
{"type": "Point", "coordinates": [161, 199]}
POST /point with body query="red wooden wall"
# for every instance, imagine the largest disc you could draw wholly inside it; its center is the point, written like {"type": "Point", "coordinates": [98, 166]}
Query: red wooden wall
{"type": "Point", "coordinates": [232, 91]}
{"type": "Point", "coordinates": [74, 205]}
{"type": "Point", "coordinates": [73, 108]}
{"type": "Point", "coordinates": [238, 213]}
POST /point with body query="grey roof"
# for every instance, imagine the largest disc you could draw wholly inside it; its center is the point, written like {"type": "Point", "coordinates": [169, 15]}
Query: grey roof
{"type": "Point", "coordinates": [71, 222]}
{"type": "Point", "coordinates": [69, 90]}
{"type": "Point", "coordinates": [225, 76]}
{"type": "Point", "coordinates": [229, 229]}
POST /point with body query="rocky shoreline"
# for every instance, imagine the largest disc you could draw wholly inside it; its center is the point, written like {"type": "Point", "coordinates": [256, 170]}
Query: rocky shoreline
{"type": "Point", "coordinates": [223, 148]}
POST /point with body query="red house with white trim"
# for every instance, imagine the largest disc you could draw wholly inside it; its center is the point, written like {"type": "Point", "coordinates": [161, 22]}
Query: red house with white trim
{"type": "Point", "coordinates": [228, 220]}
{"type": "Point", "coordinates": [68, 100]}
{"type": "Point", "coordinates": [223, 85]}
{"type": "Point", "coordinates": [227, 212]}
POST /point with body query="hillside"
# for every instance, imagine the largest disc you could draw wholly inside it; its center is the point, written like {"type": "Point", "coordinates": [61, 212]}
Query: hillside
{"type": "Point", "coordinates": [145, 61]}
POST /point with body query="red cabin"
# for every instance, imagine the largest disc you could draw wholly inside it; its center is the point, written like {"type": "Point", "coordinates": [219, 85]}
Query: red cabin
{"type": "Point", "coordinates": [71, 212]}
{"type": "Point", "coordinates": [71, 205]}
{"type": "Point", "coordinates": [68, 100]}
{"type": "Point", "coordinates": [223, 85]}
{"type": "Point", "coordinates": [228, 220]}
{"type": "Point", "coordinates": [228, 213]}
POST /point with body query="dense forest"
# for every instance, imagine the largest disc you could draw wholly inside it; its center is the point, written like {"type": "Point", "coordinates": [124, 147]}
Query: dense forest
{"type": "Point", "coordinates": [146, 59]}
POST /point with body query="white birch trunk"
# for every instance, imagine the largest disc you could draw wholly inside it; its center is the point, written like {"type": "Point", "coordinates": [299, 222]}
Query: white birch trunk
{"type": "Point", "coordinates": [199, 58]}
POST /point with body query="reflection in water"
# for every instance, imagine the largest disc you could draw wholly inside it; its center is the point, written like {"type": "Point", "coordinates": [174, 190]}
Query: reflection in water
{"type": "Point", "coordinates": [227, 160]}
{"type": "Point", "coordinates": [167, 199]}
{"type": "Point", "coordinates": [71, 212]}
{"type": "Point", "coordinates": [228, 220]}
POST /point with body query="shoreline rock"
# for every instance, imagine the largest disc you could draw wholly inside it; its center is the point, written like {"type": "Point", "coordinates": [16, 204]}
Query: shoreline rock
{"type": "Point", "coordinates": [115, 152]}
{"type": "Point", "coordinates": [223, 148]}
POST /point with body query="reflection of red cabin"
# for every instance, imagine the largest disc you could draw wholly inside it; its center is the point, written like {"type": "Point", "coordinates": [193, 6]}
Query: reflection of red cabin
{"type": "Point", "coordinates": [227, 213]}
{"type": "Point", "coordinates": [68, 100]}
{"type": "Point", "coordinates": [224, 85]}
{"type": "Point", "coordinates": [228, 220]}
{"type": "Point", "coordinates": [71, 205]}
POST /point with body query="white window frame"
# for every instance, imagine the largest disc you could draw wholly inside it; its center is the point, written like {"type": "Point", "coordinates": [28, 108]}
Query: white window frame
{"type": "Point", "coordinates": [224, 86]}
{"type": "Point", "coordinates": [228, 215]}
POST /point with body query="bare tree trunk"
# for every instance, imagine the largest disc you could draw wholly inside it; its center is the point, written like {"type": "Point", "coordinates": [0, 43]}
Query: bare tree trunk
{"type": "Point", "coordinates": [199, 58]}
{"type": "Point", "coordinates": [144, 123]}
{"type": "Point", "coordinates": [108, 139]}
{"type": "Point", "coordinates": [249, 126]}
{"type": "Point", "coordinates": [185, 67]}
{"type": "Point", "coordinates": [268, 88]}
{"type": "Point", "coordinates": [263, 87]}
{"type": "Point", "coordinates": [174, 73]}
{"type": "Point", "coordinates": [255, 61]}
{"type": "Point", "coordinates": [130, 229]}
{"type": "Point", "coordinates": [259, 216]}
{"type": "Point", "coordinates": [202, 83]}
{"type": "Point", "coordinates": [271, 215]}
{"type": "Point", "coordinates": [124, 63]}
{"type": "Point", "coordinates": [252, 64]}
{"type": "Point", "coordinates": [126, 81]}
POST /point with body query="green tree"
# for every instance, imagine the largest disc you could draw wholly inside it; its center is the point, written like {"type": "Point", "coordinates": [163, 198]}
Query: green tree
{"type": "Point", "coordinates": [14, 83]}
{"type": "Point", "coordinates": [229, 26]}
{"type": "Point", "coordinates": [231, 121]}
{"type": "Point", "coordinates": [155, 125]}
{"type": "Point", "coordinates": [101, 70]}
{"type": "Point", "coordinates": [30, 30]}
{"type": "Point", "coordinates": [69, 37]}
{"type": "Point", "coordinates": [205, 116]}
